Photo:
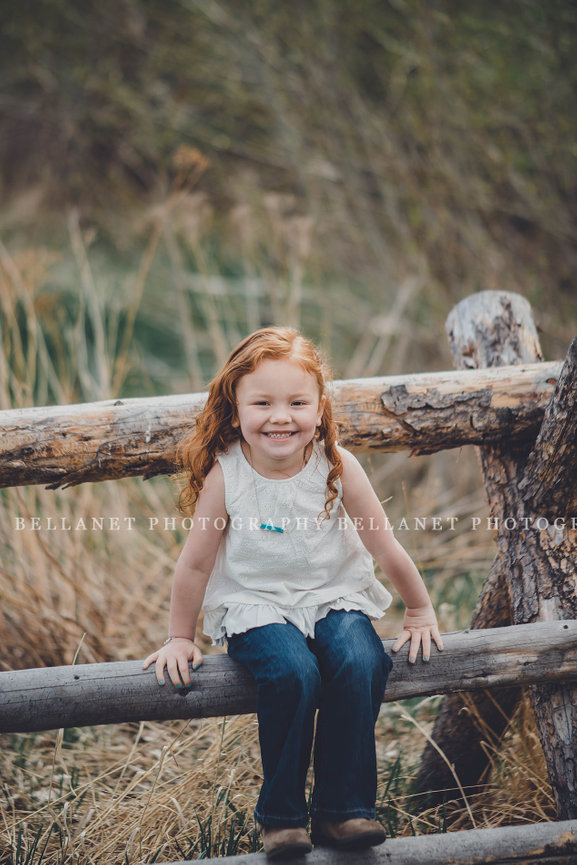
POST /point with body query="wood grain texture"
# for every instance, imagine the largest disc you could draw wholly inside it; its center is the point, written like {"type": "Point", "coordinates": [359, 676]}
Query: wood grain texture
{"type": "Point", "coordinates": [91, 694]}
{"type": "Point", "coordinates": [542, 578]}
{"type": "Point", "coordinates": [66, 445]}
{"type": "Point", "coordinates": [548, 484]}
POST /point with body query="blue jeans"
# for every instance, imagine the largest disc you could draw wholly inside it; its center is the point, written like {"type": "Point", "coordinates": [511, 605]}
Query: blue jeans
{"type": "Point", "coordinates": [341, 671]}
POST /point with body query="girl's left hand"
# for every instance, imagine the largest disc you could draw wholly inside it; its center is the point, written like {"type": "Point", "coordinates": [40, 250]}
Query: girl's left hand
{"type": "Point", "coordinates": [419, 625]}
{"type": "Point", "coordinates": [175, 656]}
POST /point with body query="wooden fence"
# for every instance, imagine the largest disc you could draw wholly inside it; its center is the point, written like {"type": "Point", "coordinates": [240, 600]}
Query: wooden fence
{"type": "Point", "coordinates": [503, 398]}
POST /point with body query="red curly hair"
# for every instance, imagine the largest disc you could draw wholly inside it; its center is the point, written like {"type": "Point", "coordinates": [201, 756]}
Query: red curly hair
{"type": "Point", "coordinates": [214, 431]}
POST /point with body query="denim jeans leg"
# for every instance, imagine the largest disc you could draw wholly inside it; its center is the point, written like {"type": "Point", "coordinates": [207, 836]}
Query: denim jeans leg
{"type": "Point", "coordinates": [354, 670]}
{"type": "Point", "coordinates": [288, 690]}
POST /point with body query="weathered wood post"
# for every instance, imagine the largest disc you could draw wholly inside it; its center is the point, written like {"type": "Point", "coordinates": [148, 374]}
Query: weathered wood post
{"type": "Point", "coordinates": [542, 564]}
{"type": "Point", "coordinates": [488, 329]}
{"type": "Point", "coordinates": [533, 575]}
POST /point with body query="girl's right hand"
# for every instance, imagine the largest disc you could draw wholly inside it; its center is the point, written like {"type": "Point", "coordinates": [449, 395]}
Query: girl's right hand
{"type": "Point", "coordinates": [175, 656]}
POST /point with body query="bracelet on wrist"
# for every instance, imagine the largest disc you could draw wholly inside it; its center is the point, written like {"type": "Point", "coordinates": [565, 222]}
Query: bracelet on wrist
{"type": "Point", "coordinates": [170, 639]}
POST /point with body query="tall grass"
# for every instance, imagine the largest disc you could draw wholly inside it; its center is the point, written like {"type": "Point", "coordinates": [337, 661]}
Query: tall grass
{"type": "Point", "coordinates": [81, 325]}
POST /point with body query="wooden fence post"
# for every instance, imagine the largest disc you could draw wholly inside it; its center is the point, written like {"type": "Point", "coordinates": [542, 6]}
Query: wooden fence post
{"type": "Point", "coordinates": [536, 556]}
{"type": "Point", "coordinates": [489, 329]}
{"type": "Point", "coordinates": [542, 564]}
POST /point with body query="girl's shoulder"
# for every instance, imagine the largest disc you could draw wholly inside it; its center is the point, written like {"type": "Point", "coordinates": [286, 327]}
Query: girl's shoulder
{"type": "Point", "coordinates": [325, 461]}
{"type": "Point", "coordinates": [344, 452]}
{"type": "Point", "coordinates": [347, 457]}
{"type": "Point", "coordinates": [352, 468]}
{"type": "Point", "coordinates": [232, 453]}
{"type": "Point", "coordinates": [234, 466]}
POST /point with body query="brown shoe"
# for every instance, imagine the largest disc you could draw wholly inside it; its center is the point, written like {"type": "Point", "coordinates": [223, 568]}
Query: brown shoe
{"type": "Point", "coordinates": [282, 843]}
{"type": "Point", "coordinates": [355, 834]}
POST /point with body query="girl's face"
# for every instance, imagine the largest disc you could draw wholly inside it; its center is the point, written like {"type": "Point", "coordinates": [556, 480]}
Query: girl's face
{"type": "Point", "coordinates": [278, 410]}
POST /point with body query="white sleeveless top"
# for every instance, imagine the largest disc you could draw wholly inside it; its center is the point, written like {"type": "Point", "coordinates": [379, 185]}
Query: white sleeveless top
{"type": "Point", "coordinates": [315, 565]}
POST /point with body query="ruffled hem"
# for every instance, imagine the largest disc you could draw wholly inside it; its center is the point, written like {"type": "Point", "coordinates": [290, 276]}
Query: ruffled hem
{"type": "Point", "coordinates": [223, 622]}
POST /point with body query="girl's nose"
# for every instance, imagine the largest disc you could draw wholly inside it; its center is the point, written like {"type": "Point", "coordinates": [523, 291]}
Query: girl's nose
{"type": "Point", "coordinates": [280, 416]}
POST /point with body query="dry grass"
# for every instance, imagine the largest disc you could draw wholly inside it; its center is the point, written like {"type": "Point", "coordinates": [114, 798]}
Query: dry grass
{"type": "Point", "coordinates": [165, 792]}
{"type": "Point", "coordinates": [516, 788]}
{"type": "Point", "coordinates": [153, 792]}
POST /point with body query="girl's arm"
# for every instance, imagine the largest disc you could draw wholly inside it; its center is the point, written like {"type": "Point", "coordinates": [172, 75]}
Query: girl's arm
{"type": "Point", "coordinates": [363, 506]}
{"type": "Point", "coordinates": [191, 575]}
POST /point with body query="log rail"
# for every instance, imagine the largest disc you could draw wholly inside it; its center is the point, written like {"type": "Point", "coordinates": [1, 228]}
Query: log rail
{"type": "Point", "coordinates": [63, 446]}
{"type": "Point", "coordinates": [90, 694]}
{"type": "Point", "coordinates": [536, 844]}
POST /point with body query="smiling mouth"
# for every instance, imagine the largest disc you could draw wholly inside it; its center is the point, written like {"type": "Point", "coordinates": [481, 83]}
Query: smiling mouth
{"type": "Point", "coordinates": [280, 435]}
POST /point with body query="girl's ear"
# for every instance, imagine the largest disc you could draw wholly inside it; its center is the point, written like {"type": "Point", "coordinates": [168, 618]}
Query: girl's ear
{"type": "Point", "coordinates": [322, 402]}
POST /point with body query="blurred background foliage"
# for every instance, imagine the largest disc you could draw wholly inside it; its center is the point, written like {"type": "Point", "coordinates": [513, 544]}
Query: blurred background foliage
{"type": "Point", "coordinates": [231, 164]}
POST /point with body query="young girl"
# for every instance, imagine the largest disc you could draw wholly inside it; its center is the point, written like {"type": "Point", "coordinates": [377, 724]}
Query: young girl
{"type": "Point", "coordinates": [280, 555]}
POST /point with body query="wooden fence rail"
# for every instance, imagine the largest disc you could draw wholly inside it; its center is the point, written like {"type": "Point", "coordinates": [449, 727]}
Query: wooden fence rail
{"type": "Point", "coordinates": [91, 694]}
{"type": "Point", "coordinates": [424, 413]}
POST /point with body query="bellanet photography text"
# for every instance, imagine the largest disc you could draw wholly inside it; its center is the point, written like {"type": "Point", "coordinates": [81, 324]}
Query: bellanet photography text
{"type": "Point", "coordinates": [251, 523]}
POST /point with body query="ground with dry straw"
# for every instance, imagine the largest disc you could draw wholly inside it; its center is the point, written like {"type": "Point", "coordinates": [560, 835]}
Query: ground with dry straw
{"type": "Point", "coordinates": [166, 792]}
